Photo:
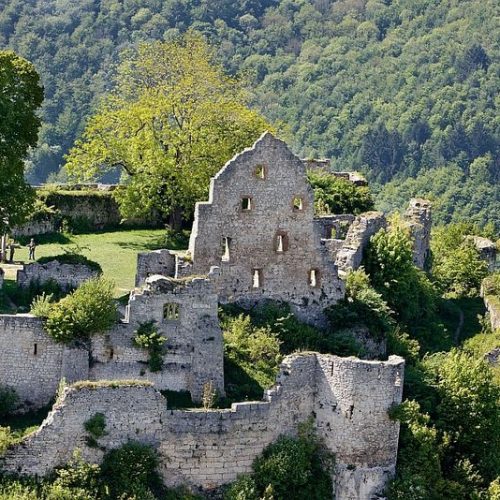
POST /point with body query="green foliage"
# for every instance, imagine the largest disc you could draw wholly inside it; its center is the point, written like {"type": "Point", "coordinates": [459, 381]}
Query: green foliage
{"type": "Point", "coordinates": [88, 310]}
{"type": "Point", "coordinates": [362, 305]}
{"type": "Point", "coordinates": [42, 305]}
{"type": "Point", "coordinates": [20, 96]}
{"type": "Point", "coordinates": [455, 196]}
{"type": "Point", "coordinates": [335, 195]}
{"type": "Point", "coordinates": [457, 266]}
{"type": "Point", "coordinates": [147, 337]}
{"type": "Point", "coordinates": [173, 121]}
{"type": "Point", "coordinates": [406, 289]}
{"type": "Point", "coordinates": [131, 470]}
{"type": "Point", "coordinates": [8, 400]}
{"type": "Point", "coordinates": [96, 427]}
{"type": "Point", "coordinates": [252, 357]}
{"type": "Point", "coordinates": [294, 468]}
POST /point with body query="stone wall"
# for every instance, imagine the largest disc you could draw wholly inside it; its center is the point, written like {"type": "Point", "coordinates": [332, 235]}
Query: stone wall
{"type": "Point", "coordinates": [37, 227]}
{"type": "Point", "coordinates": [67, 276]}
{"type": "Point", "coordinates": [492, 303]}
{"type": "Point", "coordinates": [419, 219]}
{"type": "Point", "coordinates": [258, 227]}
{"type": "Point", "coordinates": [193, 352]}
{"type": "Point", "coordinates": [32, 363]}
{"type": "Point", "coordinates": [350, 255]}
{"type": "Point", "coordinates": [347, 398]}
{"type": "Point", "coordinates": [155, 262]}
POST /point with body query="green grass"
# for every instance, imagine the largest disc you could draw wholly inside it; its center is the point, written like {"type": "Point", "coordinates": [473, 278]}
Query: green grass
{"type": "Point", "coordinates": [115, 251]}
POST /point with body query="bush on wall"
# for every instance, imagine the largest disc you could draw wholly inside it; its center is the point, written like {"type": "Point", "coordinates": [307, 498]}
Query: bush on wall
{"type": "Point", "coordinates": [88, 310]}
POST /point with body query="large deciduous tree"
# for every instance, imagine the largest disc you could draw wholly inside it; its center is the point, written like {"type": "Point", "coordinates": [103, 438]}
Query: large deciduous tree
{"type": "Point", "coordinates": [20, 96]}
{"type": "Point", "coordinates": [172, 121]}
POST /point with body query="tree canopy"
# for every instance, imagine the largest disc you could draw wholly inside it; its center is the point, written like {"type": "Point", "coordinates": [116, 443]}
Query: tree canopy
{"type": "Point", "coordinates": [20, 97]}
{"type": "Point", "coordinates": [391, 88]}
{"type": "Point", "coordinates": [174, 119]}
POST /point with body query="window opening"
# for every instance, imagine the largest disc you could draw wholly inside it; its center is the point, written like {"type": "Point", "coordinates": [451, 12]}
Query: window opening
{"type": "Point", "coordinates": [226, 245]}
{"type": "Point", "coordinates": [171, 311]}
{"type": "Point", "coordinates": [298, 204]}
{"type": "Point", "coordinates": [246, 203]}
{"type": "Point", "coordinates": [281, 242]}
{"type": "Point", "coordinates": [313, 278]}
{"type": "Point", "coordinates": [35, 349]}
{"type": "Point", "coordinates": [256, 278]}
{"type": "Point", "coordinates": [260, 171]}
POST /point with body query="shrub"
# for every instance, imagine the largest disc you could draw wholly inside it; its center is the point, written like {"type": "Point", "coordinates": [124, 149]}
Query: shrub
{"type": "Point", "coordinates": [8, 400]}
{"type": "Point", "coordinates": [77, 480]}
{"type": "Point", "coordinates": [6, 439]}
{"type": "Point", "coordinates": [147, 337]}
{"type": "Point", "coordinates": [362, 305]}
{"type": "Point", "coordinates": [292, 468]}
{"type": "Point", "coordinates": [131, 470]}
{"type": "Point", "coordinates": [252, 357]}
{"type": "Point", "coordinates": [41, 305]}
{"type": "Point", "coordinates": [88, 310]}
{"type": "Point", "coordinates": [95, 426]}
{"type": "Point", "coordinates": [335, 195]}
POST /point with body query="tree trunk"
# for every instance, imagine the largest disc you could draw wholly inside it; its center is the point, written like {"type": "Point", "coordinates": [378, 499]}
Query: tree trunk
{"type": "Point", "coordinates": [175, 219]}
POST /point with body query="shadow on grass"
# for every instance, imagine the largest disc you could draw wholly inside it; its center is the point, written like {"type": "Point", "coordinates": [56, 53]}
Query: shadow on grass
{"type": "Point", "coordinates": [46, 239]}
{"type": "Point", "coordinates": [172, 241]}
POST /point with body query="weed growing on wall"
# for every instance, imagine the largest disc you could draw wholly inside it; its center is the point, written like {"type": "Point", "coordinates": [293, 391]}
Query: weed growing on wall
{"type": "Point", "coordinates": [96, 428]}
{"type": "Point", "coordinates": [209, 397]}
{"type": "Point", "coordinates": [88, 310]}
{"type": "Point", "coordinates": [147, 337]}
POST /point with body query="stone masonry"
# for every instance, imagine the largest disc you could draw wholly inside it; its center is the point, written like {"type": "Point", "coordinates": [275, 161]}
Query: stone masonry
{"type": "Point", "coordinates": [348, 400]}
{"type": "Point", "coordinates": [184, 312]}
{"type": "Point", "coordinates": [32, 363]}
{"type": "Point", "coordinates": [419, 221]}
{"type": "Point", "coordinates": [67, 276]}
{"type": "Point", "coordinates": [258, 227]}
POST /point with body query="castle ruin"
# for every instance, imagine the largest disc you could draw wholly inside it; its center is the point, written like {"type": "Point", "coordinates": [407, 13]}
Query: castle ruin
{"type": "Point", "coordinates": [255, 239]}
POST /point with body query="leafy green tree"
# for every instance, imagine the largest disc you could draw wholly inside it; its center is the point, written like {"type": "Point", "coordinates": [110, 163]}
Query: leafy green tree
{"type": "Point", "coordinates": [88, 310]}
{"type": "Point", "coordinates": [173, 121]}
{"type": "Point", "coordinates": [20, 97]}
{"type": "Point", "coordinates": [335, 195]}
{"type": "Point", "coordinates": [456, 263]}
{"type": "Point", "coordinates": [406, 289]}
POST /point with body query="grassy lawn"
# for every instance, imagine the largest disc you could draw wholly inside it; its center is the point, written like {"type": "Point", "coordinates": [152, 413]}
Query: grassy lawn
{"type": "Point", "coordinates": [115, 251]}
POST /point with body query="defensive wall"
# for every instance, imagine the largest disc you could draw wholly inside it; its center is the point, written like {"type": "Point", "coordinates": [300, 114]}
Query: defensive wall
{"type": "Point", "coordinates": [185, 313]}
{"type": "Point", "coordinates": [348, 400]}
{"type": "Point", "coordinates": [67, 276]}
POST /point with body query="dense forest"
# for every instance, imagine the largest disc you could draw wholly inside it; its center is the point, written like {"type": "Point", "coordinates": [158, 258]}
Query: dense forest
{"type": "Point", "coordinates": [397, 89]}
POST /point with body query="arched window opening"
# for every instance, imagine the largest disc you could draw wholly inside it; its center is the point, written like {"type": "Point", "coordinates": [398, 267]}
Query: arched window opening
{"type": "Point", "coordinates": [256, 278]}
{"type": "Point", "coordinates": [314, 278]}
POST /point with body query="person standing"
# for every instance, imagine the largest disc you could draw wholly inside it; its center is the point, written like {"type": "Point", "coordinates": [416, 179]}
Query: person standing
{"type": "Point", "coordinates": [32, 247]}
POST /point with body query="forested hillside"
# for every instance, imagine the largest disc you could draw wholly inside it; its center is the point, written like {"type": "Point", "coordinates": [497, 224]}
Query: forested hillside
{"type": "Point", "coordinates": [393, 88]}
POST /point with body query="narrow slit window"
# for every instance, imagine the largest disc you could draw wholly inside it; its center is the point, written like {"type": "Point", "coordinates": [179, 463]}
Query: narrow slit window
{"type": "Point", "coordinates": [260, 171]}
{"type": "Point", "coordinates": [256, 278]}
{"type": "Point", "coordinates": [35, 349]}
{"type": "Point", "coordinates": [313, 278]}
{"type": "Point", "coordinates": [246, 203]}
{"type": "Point", "coordinates": [281, 242]}
{"type": "Point", "coordinates": [171, 311]}
{"type": "Point", "coordinates": [298, 204]}
{"type": "Point", "coordinates": [226, 243]}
